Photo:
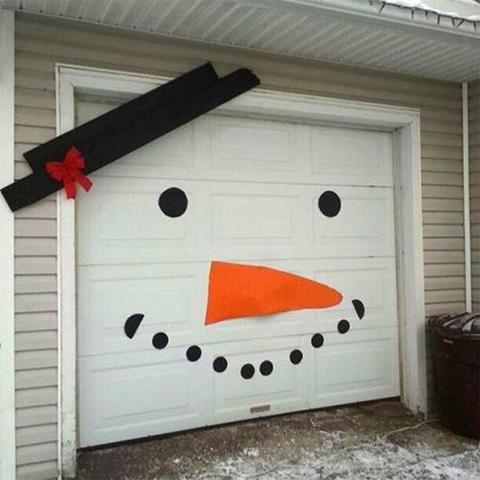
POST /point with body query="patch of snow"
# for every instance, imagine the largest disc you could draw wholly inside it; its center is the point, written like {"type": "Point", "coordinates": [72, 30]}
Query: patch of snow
{"type": "Point", "coordinates": [250, 452]}
{"type": "Point", "coordinates": [371, 459]}
{"type": "Point", "coordinates": [426, 6]}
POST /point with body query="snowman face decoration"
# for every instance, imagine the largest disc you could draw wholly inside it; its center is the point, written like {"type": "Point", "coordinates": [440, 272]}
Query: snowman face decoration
{"type": "Point", "coordinates": [238, 291]}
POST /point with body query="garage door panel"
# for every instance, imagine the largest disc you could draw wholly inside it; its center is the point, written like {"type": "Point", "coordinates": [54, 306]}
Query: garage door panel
{"type": "Point", "coordinates": [128, 395]}
{"type": "Point", "coordinates": [363, 227]}
{"type": "Point", "coordinates": [167, 296]}
{"type": "Point", "coordinates": [249, 217]}
{"type": "Point", "coordinates": [358, 368]}
{"type": "Point", "coordinates": [235, 148]}
{"type": "Point", "coordinates": [127, 225]}
{"type": "Point", "coordinates": [131, 217]}
{"type": "Point", "coordinates": [282, 390]}
{"type": "Point", "coordinates": [229, 145]}
{"type": "Point", "coordinates": [174, 153]}
{"type": "Point", "coordinates": [357, 157]}
{"type": "Point", "coordinates": [173, 299]}
{"type": "Point", "coordinates": [370, 280]}
{"type": "Point", "coordinates": [255, 220]}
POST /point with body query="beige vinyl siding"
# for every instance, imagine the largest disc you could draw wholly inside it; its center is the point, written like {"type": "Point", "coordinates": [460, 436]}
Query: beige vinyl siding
{"type": "Point", "coordinates": [474, 154]}
{"type": "Point", "coordinates": [41, 43]}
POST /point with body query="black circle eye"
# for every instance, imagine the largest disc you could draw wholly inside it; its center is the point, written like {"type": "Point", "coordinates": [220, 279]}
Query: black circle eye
{"type": "Point", "coordinates": [317, 340]}
{"type": "Point", "coordinates": [220, 364]}
{"type": "Point", "coordinates": [296, 357]}
{"type": "Point", "coordinates": [173, 202]}
{"type": "Point", "coordinates": [248, 371]}
{"type": "Point", "coordinates": [343, 326]}
{"type": "Point", "coordinates": [329, 203]}
{"type": "Point", "coordinates": [160, 340]}
{"type": "Point", "coordinates": [194, 353]}
{"type": "Point", "coordinates": [266, 368]}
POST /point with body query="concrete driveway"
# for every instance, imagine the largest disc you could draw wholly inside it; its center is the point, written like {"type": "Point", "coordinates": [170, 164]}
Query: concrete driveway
{"type": "Point", "coordinates": [364, 442]}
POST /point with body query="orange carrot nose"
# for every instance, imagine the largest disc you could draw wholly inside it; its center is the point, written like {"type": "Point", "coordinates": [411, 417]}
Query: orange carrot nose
{"type": "Point", "coordinates": [237, 291]}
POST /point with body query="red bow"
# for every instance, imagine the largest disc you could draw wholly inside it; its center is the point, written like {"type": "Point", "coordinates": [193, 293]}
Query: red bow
{"type": "Point", "coordinates": [69, 172]}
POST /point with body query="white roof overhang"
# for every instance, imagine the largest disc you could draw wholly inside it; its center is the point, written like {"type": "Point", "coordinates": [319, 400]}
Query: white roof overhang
{"type": "Point", "coordinates": [401, 36]}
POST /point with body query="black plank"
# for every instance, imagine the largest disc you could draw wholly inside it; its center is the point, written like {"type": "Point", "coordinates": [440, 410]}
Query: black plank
{"type": "Point", "coordinates": [140, 126]}
{"type": "Point", "coordinates": [118, 120]}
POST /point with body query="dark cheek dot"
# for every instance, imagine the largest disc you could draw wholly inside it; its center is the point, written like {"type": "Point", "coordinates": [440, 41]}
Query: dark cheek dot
{"type": "Point", "coordinates": [132, 323]}
{"type": "Point", "coordinates": [317, 340]}
{"type": "Point", "coordinates": [266, 368]}
{"type": "Point", "coordinates": [248, 371]}
{"type": "Point", "coordinates": [343, 326]}
{"type": "Point", "coordinates": [329, 203]}
{"type": "Point", "coordinates": [160, 340]}
{"type": "Point", "coordinates": [359, 308]}
{"type": "Point", "coordinates": [173, 202]}
{"type": "Point", "coordinates": [296, 357]}
{"type": "Point", "coordinates": [194, 353]}
{"type": "Point", "coordinates": [220, 364]}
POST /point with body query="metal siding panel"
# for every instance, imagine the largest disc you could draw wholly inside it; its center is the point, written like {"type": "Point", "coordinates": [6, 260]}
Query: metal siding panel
{"type": "Point", "coordinates": [38, 471]}
{"type": "Point", "coordinates": [30, 361]}
{"type": "Point", "coordinates": [37, 397]}
{"type": "Point", "coordinates": [35, 340]}
{"type": "Point", "coordinates": [39, 46]}
{"type": "Point", "coordinates": [36, 378]}
{"type": "Point", "coordinates": [35, 284]}
{"type": "Point", "coordinates": [35, 435]}
{"type": "Point", "coordinates": [31, 416]}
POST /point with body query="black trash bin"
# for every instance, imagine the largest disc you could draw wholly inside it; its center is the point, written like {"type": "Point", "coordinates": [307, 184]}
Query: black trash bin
{"type": "Point", "coordinates": [456, 351]}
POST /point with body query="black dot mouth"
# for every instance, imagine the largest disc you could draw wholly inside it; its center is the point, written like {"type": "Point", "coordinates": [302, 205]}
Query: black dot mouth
{"type": "Point", "coordinates": [247, 371]}
{"type": "Point", "coordinates": [220, 364]}
{"type": "Point", "coordinates": [359, 308]}
{"type": "Point", "coordinates": [343, 326]}
{"type": "Point", "coordinates": [194, 353]}
{"type": "Point", "coordinates": [266, 368]}
{"type": "Point", "coordinates": [296, 356]}
{"type": "Point", "coordinates": [160, 340]}
{"type": "Point", "coordinates": [132, 323]}
{"type": "Point", "coordinates": [317, 340]}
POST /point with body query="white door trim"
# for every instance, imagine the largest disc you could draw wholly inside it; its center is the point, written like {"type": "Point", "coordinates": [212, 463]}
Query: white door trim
{"type": "Point", "coordinates": [404, 122]}
{"type": "Point", "coordinates": [7, 330]}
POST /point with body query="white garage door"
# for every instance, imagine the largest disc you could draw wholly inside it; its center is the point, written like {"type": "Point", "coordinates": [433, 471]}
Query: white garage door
{"type": "Point", "coordinates": [252, 189]}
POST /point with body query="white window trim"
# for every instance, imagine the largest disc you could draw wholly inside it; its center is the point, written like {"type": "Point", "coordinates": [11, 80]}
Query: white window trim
{"type": "Point", "coordinates": [403, 122]}
{"type": "Point", "coordinates": [7, 329]}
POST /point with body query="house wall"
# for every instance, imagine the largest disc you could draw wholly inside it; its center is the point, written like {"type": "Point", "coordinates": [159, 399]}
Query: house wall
{"type": "Point", "coordinates": [474, 154]}
{"type": "Point", "coordinates": [41, 43]}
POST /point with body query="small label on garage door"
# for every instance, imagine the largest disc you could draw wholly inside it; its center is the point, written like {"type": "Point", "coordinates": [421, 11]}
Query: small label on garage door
{"type": "Point", "coordinates": [260, 409]}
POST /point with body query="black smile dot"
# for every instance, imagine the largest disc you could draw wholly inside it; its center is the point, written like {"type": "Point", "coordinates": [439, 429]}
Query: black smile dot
{"type": "Point", "coordinates": [329, 203]}
{"type": "Point", "coordinates": [173, 202]}
{"type": "Point", "coordinates": [194, 353]}
{"type": "Point", "coordinates": [266, 368]}
{"type": "Point", "coordinates": [343, 326]}
{"type": "Point", "coordinates": [359, 308]}
{"type": "Point", "coordinates": [220, 364]}
{"type": "Point", "coordinates": [160, 340]}
{"type": "Point", "coordinates": [317, 340]}
{"type": "Point", "coordinates": [248, 371]}
{"type": "Point", "coordinates": [132, 323]}
{"type": "Point", "coordinates": [296, 357]}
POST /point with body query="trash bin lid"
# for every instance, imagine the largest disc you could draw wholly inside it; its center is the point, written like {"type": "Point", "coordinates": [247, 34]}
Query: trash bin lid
{"type": "Point", "coordinates": [466, 325]}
